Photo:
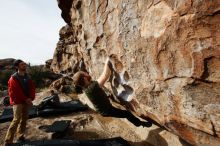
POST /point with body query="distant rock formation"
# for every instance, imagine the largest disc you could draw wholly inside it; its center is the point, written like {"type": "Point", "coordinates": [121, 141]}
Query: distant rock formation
{"type": "Point", "coordinates": [48, 63]}
{"type": "Point", "coordinates": [169, 51]}
{"type": "Point", "coordinates": [6, 63]}
{"type": "Point", "coordinates": [6, 69]}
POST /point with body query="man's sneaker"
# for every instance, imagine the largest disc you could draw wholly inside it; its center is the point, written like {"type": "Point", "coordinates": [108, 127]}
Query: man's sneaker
{"type": "Point", "coordinates": [110, 64]}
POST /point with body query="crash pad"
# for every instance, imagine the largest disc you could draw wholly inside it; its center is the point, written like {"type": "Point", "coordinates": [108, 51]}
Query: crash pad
{"type": "Point", "coordinates": [64, 108]}
{"type": "Point", "coordinates": [57, 126]}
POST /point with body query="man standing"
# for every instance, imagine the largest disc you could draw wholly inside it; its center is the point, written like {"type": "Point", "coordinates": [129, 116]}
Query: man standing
{"type": "Point", "coordinates": [22, 92]}
{"type": "Point", "coordinates": [100, 100]}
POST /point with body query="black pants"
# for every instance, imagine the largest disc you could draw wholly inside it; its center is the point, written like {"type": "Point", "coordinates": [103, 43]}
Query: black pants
{"type": "Point", "coordinates": [118, 113]}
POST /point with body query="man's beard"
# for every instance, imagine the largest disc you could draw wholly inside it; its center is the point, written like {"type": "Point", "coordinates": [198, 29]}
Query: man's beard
{"type": "Point", "coordinates": [23, 69]}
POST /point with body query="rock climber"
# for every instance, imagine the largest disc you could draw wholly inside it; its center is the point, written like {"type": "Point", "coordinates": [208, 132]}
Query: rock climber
{"type": "Point", "coordinates": [94, 91]}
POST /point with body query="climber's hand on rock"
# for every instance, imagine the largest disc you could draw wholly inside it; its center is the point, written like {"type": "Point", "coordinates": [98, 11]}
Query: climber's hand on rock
{"type": "Point", "coordinates": [106, 73]}
{"type": "Point", "coordinates": [109, 63]}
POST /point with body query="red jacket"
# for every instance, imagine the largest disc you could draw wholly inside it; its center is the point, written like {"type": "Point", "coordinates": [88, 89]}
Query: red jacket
{"type": "Point", "coordinates": [16, 93]}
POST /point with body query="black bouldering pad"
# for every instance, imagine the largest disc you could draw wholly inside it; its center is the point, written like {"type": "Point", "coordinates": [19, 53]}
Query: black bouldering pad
{"type": "Point", "coordinates": [57, 126]}
{"type": "Point", "coordinates": [64, 108]}
{"type": "Point", "coordinates": [118, 141]}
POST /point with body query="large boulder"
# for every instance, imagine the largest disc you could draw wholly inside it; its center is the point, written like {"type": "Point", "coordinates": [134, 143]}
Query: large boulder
{"type": "Point", "coordinates": [168, 53]}
{"type": "Point", "coordinates": [63, 84]}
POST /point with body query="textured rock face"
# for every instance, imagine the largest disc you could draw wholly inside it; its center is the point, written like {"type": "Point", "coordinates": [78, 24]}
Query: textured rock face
{"type": "Point", "coordinates": [62, 84]}
{"type": "Point", "coordinates": [167, 52]}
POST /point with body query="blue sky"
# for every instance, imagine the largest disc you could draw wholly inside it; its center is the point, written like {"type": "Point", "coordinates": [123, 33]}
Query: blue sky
{"type": "Point", "coordinates": [29, 29]}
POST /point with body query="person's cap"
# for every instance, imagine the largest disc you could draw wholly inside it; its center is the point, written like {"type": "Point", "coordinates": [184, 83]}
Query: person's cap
{"type": "Point", "coordinates": [16, 62]}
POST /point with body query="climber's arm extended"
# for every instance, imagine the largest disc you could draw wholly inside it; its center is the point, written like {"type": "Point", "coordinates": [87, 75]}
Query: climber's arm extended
{"type": "Point", "coordinates": [105, 74]}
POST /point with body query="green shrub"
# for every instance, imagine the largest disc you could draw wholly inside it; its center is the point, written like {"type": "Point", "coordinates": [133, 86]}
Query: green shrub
{"type": "Point", "coordinates": [38, 75]}
{"type": "Point", "coordinates": [4, 77]}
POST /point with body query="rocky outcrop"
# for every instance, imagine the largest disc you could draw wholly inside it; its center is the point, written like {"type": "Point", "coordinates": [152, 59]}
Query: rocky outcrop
{"type": "Point", "coordinates": [48, 63]}
{"type": "Point", "coordinates": [63, 84]}
{"type": "Point", "coordinates": [6, 69]}
{"type": "Point", "coordinates": [6, 63]}
{"type": "Point", "coordinates": [167, 56]}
